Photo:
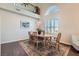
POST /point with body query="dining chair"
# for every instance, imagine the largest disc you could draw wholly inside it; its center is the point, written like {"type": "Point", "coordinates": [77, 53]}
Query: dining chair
{"type": "Point", "coordinates": [34, 37]}
{"type": "Point", "coordinates": [38, 42]}
{"type": "Point", "coordinates": [30, 37]}
{"type": "Point", "coordinates": [34, 33]}
{"type": "Point", "coordinates": [56, 42]}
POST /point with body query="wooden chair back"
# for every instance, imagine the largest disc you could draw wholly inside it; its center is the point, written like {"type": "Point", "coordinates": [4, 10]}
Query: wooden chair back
{"type": "Point", "coordinates": [58, 37]}
{"type": "Point", "coordinates": [58, 41]}
{"type": "Point", "coordinates": [32, 37]}
{"type": "Point", "coordinates": [34, 33]}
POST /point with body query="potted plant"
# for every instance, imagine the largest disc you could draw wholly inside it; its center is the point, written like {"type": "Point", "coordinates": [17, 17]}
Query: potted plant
{"type": "Point", "coordinates": [39, 30]}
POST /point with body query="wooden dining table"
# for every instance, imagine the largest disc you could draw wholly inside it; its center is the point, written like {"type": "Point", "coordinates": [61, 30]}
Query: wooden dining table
{"type": "Point", "coordinates": [46, 39]}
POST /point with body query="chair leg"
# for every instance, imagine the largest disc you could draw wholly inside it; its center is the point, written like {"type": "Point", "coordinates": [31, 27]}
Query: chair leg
{"type": "Point", "coordinates": [37, 45]}
{"type": "Point", "coordinates": [57, 47]}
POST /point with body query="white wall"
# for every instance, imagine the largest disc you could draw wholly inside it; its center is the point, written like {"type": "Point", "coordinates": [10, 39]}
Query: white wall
{"type": "Point", "coordinates": [11, 30]}
{"type": "Point", "coordinates": [0, 36]}
{"type": "Point", "coordinates": [0, 30]}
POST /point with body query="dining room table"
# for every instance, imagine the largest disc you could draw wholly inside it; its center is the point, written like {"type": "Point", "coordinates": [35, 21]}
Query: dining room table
{"type": "Point", "coordinates": [46, 39]}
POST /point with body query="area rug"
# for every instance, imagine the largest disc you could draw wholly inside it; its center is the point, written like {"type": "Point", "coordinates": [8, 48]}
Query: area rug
{"type": "Point", "coordinates": [32, 51]}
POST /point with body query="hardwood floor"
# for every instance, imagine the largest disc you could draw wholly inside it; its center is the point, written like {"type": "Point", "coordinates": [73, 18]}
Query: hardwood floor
{"type": "Point", "coordinates": [73, 52]}
{"type": "Point", "coordinates": [14, 49]}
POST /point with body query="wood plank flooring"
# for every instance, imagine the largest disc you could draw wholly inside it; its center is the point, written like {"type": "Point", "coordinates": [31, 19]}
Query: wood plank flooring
{"type": "Point", "coordinates": [73, 52]}
{"type": "Point", "coordinates": [14, 49]}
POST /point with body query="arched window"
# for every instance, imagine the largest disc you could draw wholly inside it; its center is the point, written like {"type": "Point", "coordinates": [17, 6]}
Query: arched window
{"type": "Point", "coordinates": [52, 9]}
{"type": "Point", "coordinates": [52, 25]}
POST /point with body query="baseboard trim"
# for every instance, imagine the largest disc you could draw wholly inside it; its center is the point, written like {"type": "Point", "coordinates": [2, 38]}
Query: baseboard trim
{"type": "Point", "coordinates": [13, 41]}
{"type": "Point", "coordinates": [65, 44]}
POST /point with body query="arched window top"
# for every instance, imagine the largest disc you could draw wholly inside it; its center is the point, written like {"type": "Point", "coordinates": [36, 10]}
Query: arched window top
{"type": "Point", "coordinates": [52, 9]}
{"type": "Point", "coordinates": [52, 25]}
